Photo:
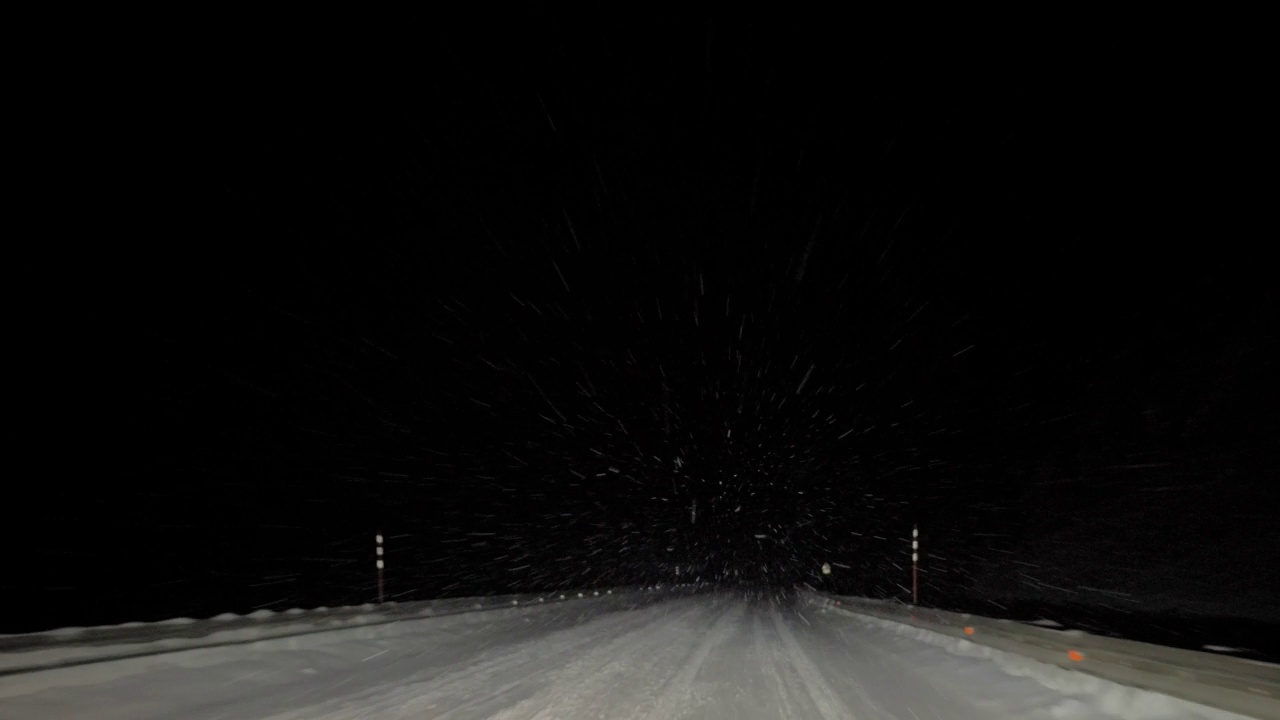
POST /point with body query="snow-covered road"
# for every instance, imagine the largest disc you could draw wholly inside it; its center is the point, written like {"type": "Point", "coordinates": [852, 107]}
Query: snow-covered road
{"type": "Point", "coordinates": [706, 656]}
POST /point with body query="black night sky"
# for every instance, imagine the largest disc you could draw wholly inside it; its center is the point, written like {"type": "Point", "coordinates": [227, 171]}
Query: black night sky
{"type": "Point", "coordinates": [584, 309]}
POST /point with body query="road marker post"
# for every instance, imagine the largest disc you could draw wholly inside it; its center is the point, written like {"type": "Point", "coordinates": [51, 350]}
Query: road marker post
{"type": "Point", "coordinates": [915, 569]}
{"type": "Point", "coordinates": [381, 565]}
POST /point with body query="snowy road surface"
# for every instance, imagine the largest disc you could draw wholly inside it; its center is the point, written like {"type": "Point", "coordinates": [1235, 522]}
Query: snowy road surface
{"type": "Point", "coordinates": [707, 656]}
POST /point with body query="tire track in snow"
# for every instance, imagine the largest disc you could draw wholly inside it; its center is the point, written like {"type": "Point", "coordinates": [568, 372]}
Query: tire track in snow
{"type": "Point", "coordinates": [678, 692]}
{"type": "Point", "coordinates": [767, 657]}
{"type": "Point", "coordinates": [559, 682]}
{"type": "Point", "coordinates": [825, 698]}
{"type": "Point", "coordinates": [508, 669]}
{"type": "Point", "coordinates": [597, 677]}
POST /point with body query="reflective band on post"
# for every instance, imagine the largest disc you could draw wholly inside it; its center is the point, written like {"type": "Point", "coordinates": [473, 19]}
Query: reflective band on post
{"type": "Point", "coordinates": [380, 565]}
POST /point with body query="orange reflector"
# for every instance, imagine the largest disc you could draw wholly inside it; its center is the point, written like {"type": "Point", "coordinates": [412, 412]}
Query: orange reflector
{"type": "Point", "coordinates": [968, 630]}
{"type": "Point", "coordinates": [1075, 655]}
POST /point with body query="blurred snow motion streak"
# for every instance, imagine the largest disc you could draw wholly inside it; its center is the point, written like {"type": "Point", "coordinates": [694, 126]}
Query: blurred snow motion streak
{"type": "Point", "coordinates": [724, 655]}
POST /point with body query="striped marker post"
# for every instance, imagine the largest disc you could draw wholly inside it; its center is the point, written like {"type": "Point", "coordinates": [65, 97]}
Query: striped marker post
{"type": "Point", "coordinates": [381, 565]}
{"type": "Point", "coordinates": [915, 569]}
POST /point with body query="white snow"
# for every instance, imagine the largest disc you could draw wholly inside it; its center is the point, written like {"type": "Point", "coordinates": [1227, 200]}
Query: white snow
{"type": "Point", "coordinates": [706, 656]}
{"type": "Point", "coordinates": [1045, 623]}
{"type": "Point", "coordinates": [1086, 696]}
{"type": "Point", "coordinates": [79, 645]}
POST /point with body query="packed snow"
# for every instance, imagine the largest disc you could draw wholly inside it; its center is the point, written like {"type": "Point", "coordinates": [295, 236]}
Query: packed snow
{"type": "Point", "coordinates": [709, 656]}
